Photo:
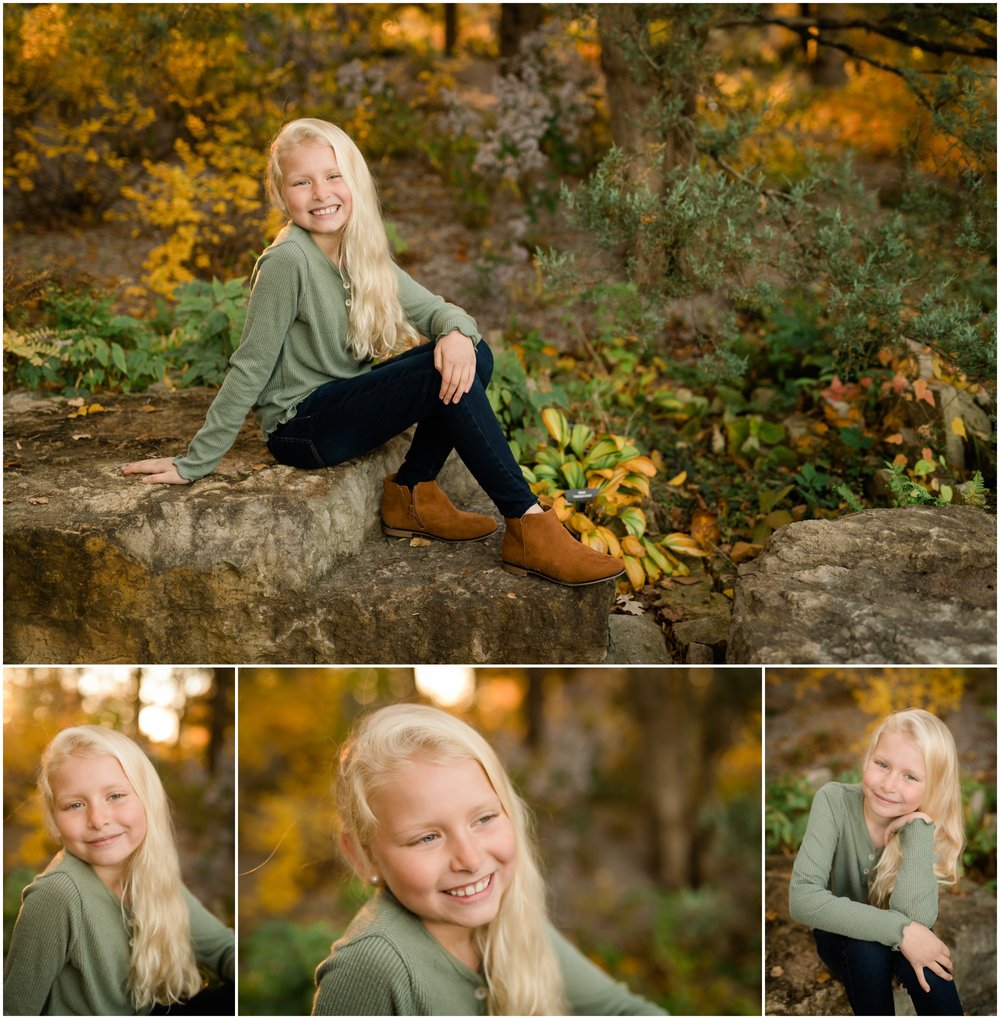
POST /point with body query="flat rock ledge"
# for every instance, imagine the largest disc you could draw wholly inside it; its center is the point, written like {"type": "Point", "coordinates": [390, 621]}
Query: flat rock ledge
{"type": "Point", "coordinates": [258, 563]}
{"type": "Point", "coordinates": [894, 586]}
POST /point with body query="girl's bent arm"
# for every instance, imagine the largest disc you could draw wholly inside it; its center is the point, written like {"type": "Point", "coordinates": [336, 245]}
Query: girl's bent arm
{"type": "Point", "coordinates": [366, 977]}
{"type": "Point", "coordinates": [811, 900]}
{"type": "Point", "coordinates": [214, 943]}
{"type": "Point", "coordinates": [39, 947]}
{"type": "Point", "coordinates": [916, 892]}
{"type": "Point", "coordinates": [432, 316]}
{"type": "Point", "coordinates": [590, 991]}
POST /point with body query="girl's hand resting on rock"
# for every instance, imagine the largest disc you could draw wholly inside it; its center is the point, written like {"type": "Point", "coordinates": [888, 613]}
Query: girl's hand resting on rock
{"type": "Point", "coordinates": [159, 471]}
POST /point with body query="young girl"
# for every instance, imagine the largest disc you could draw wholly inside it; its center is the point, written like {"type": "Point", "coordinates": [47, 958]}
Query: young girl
{"type": "Point", "coordinates": [873, 854]}
{"type": "Point", "coordinates": [458, 923]}
{"type": "Point", "coordinates": [108, 928]}
{"type": "Point", "coordinates": [327, 302]}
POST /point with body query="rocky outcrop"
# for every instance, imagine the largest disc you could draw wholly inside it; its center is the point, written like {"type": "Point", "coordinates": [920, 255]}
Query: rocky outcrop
{"type": "Point", "coordinates": [256, 563]}
{"type": "Point", "coordinates": [797, 983]}
{"type": "Point", "coordinates": [914, 585]}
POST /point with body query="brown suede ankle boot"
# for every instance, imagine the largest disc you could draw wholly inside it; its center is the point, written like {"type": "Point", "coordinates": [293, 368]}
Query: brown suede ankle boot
{"type": "Point", "coordinates": [427, 512]}
{"type": "Point", "coordinates": [538, 543]}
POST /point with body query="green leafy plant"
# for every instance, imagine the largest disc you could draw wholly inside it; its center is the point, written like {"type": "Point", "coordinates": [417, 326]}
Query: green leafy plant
{"type": "Point", "coordinates": [207, 324]}
{"type": "Point", "coordinates": [786, 813]}
{"type": "Point", "coordinates": [614, 521]}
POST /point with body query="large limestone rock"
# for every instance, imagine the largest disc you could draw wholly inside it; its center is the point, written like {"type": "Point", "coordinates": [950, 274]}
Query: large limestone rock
{"type": "Point", "coordinates": [257, 563]}
{"type": "Point", "coordinates": [914, 585]}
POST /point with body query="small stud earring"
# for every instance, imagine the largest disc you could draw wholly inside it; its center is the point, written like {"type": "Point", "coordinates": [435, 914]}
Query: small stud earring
{"type": "Point", "coordinates": [375, 879]}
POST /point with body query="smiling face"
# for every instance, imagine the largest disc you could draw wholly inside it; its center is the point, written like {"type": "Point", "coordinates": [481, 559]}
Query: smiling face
{"type": "Point", "coordinates": [98, 815]}
{"type": "Point", "coordinates": [444, 846]}
{"type": "Point", "coordinates": [894, 779]}
{"type": "Point", "coordinates": [316, 195]}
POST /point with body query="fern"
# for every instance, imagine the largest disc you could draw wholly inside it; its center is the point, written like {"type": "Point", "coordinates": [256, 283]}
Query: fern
{"type": "Point", "coordinates": [976, 491]}
{"type": "Point", "coordinates": [35, 346]}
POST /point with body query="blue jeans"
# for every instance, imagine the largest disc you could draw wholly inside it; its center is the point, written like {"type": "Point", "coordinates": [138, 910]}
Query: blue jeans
{"type": "Point", "coordinates": [345, 418]}
{"type": "Point", "coordinates": [866, 969]}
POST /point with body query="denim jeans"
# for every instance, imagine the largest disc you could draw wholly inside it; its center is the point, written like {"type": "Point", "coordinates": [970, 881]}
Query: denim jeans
{"type": "Point", "coordinates": [866, 969]}
{"type": "Point", "coordinates": [345, 418]}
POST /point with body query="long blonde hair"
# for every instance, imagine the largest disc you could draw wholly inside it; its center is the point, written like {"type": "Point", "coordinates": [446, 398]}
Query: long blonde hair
{"type": "Point", "coordinates": [162, 966]}
{"type": "Point", "coordinates": [377, 326]}
{"type": "Point", "coordinates": [942, 800]}
{"type": "Point", "coordinates": [519, 960]}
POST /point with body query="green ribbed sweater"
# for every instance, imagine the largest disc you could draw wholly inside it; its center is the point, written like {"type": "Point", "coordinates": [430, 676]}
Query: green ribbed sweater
{"type": "Point", "coordinates": [836, 861]}
{"type": "Point", "coordinates": [69, 951]}
{"type": "Point", "coordinates": [387, 963]}
{"type": "Point", "coordinates": [294, 340]}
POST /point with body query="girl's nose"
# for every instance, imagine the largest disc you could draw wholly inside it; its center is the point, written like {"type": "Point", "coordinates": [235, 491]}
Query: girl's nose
{"type": "Point", "coordinates": [466, 855]}
{"type": "Point", "coordinates": [97, 816]}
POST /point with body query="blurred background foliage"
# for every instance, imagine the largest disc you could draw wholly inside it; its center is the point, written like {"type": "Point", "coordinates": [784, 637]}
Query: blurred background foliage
{"type": "Point", "coordinates": [754, 242]}
{"type": "Point", "coordinates": [645, 789]}
{"type": "Point", "coordinates": [183, 718]}
{"type": "Point", "coordinates": [818, 723]}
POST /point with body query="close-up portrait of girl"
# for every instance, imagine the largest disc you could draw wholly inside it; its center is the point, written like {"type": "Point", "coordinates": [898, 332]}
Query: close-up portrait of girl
{"type": "Point", "coordinates": [458, 924]}
{"type": "Point", "coordinates": [109, 927]}
{"type": "Point", "coordinates": [522, 844]}
{"type": "Point", "coordinates": [875, 858]}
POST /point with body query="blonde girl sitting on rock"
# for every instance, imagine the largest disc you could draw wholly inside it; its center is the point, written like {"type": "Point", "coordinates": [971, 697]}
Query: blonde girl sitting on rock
{"type": "Point", "coordinates": [108, 928]}
{"type": "Point", "coordinates": [458, 923]}
{"type": "Point", "coordinates": [327, 303]}
{"type": "Point", "coordinates": [867, 873]}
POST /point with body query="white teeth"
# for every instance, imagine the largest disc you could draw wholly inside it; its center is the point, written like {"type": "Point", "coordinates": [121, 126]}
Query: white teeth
{"type": "Point", "coordinates": [461, 893]}
{"type": "Point", "coordinates": [326, 212]}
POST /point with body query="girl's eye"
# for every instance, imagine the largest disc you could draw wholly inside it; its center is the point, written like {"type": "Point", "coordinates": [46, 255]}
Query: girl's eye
{"type": "Point", "coordinates": [117, 796]}
{"type": "Point", "coordinates": [486, 818]}
{"type": "Point", "coordinates": [333, 176]}
{"type": "Point", "coordinates": [424, 840]}
{"type": "Point", "coordinates": [72, 806]}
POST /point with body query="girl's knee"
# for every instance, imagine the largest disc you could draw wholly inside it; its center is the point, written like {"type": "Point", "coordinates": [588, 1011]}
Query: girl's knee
{"type": "Point", "coordinates": [484, 362]}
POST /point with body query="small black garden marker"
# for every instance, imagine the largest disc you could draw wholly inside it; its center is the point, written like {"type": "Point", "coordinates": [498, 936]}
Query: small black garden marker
{"type": "Point", "coordinates": [580, 496]}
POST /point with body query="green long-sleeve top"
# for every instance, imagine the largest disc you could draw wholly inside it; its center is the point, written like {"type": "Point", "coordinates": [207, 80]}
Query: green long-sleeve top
{"type": "Point", "coordinates": [295, 340]}
{"type": "Point", "coordinates": [836, 862]}
{"type": "Point", "coordinates": [69, 951]}
{"type": "Point", "coordinates": [387, 963]}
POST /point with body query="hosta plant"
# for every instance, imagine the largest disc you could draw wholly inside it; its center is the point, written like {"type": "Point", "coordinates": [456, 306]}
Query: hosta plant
{"type": "Point", "coordinates": [613, 521]}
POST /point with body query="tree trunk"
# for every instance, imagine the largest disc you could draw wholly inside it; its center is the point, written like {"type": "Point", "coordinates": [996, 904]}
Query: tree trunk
{"type": "Point", "coordinates": [689, 717]}
{"type": "Point", "coordinates": [450, 29]}
{"type": "Point", "coordinates": [220, 718]}
{"type": "Point", "coordinates": [516, 21]}
{"type": "Point", "coordinates": [637, 93]}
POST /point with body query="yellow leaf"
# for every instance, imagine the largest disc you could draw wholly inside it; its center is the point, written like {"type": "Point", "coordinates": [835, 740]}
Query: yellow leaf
{"type": "Point", "coordinates": [595, 541]}
{"type": "Point", "coordinates": [958, 427]}
{"type": "Point", "coordinates": [632, 546]}
{"type": "Point", "coordinates": [640, 465]}
{"type": "Point", "coordinates": [678, 479]}
{"type": "Point", "coordinates": [581, 523]}
{"type": "Point", "coordinates": [635, 573]}
{"type": "Point", "coordinates": [895, 439]}
{"type": "Point", "coordinates": [611, 540]}
{"type": "Point", "coordinates": [420, 543]}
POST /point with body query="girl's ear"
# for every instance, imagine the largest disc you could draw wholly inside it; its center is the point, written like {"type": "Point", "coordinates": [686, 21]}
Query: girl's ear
{"type": "Point", "coordinates": [359, 859]}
